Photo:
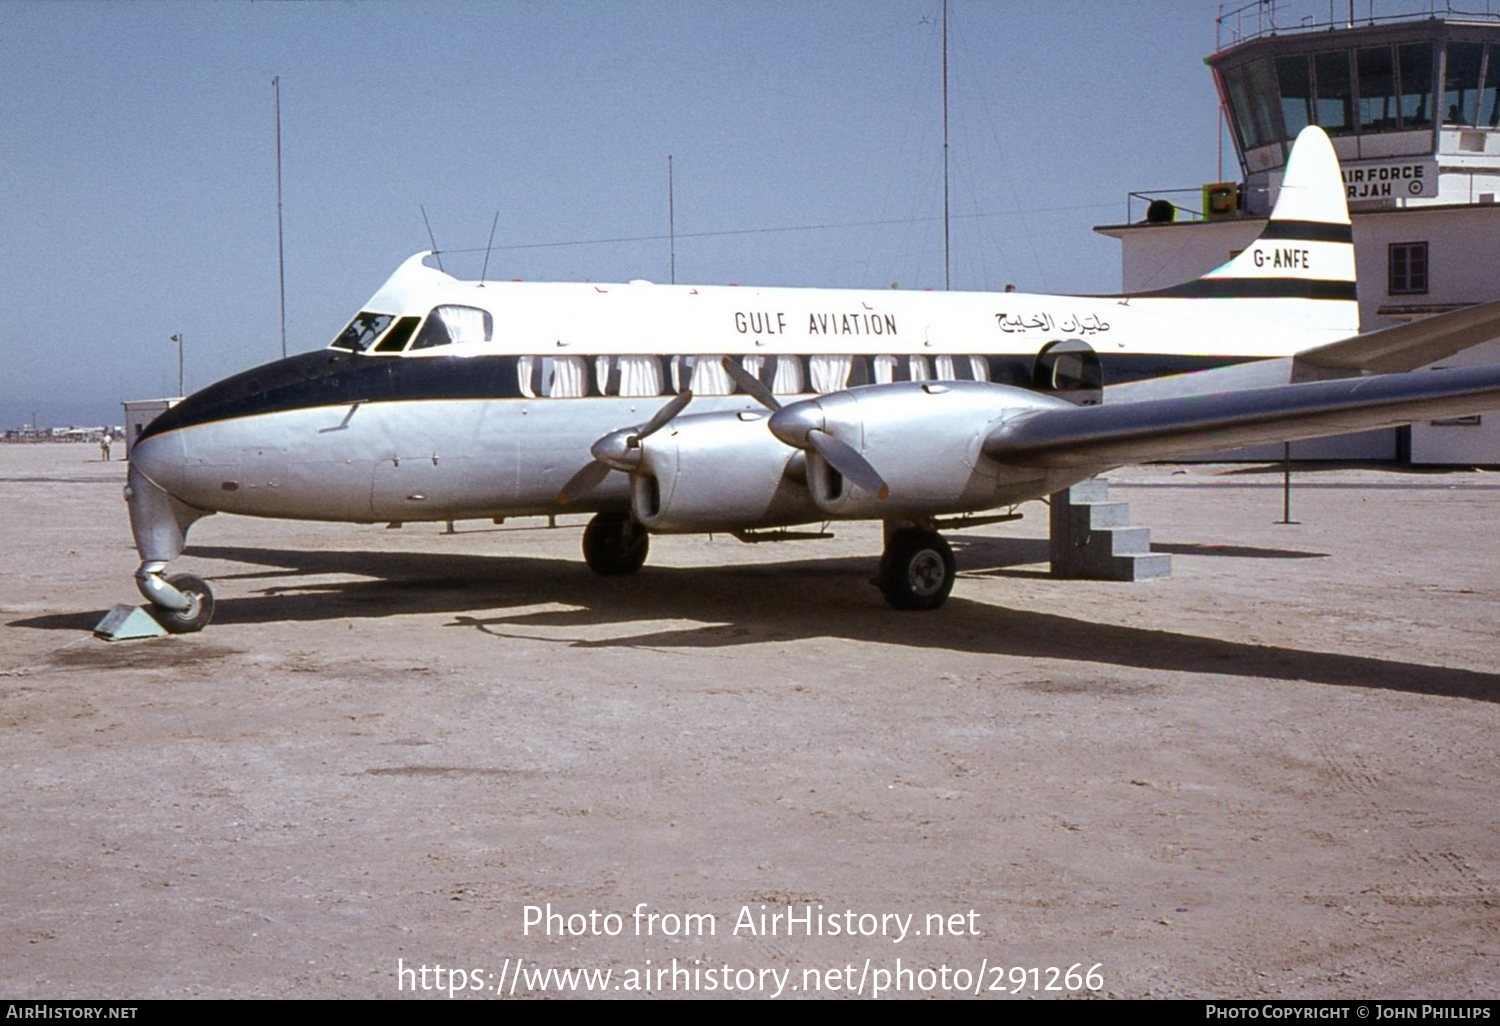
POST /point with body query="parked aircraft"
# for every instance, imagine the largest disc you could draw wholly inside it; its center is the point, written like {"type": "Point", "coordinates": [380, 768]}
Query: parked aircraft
{"type": "Point", "coordinates": [689, 409]}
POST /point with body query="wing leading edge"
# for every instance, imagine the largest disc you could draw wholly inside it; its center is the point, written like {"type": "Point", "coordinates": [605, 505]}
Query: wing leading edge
{"type": "Point", "coordinates": [1115, 434]}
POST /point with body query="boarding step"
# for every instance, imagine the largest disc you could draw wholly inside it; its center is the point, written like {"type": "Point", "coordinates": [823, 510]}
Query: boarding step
{"type": "Point", "coordinates": [1092, 539]}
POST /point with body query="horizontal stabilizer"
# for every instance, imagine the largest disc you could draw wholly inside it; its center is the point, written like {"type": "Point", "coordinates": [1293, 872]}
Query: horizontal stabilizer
{"type": "Point", "coordinates": [1115, 434]}
{"type": "Point", "coordinates": [1406, 347]}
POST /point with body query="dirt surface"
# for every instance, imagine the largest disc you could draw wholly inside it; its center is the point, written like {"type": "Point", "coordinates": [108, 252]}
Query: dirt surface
{"type": "Point", "coordinates": [1272, 774]}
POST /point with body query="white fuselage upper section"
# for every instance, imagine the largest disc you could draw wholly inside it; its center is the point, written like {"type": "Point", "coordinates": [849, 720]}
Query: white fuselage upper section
{"type": "Point", "coordinates": [559, 318]}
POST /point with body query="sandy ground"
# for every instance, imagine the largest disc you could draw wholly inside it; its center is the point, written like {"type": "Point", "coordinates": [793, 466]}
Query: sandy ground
{"type": "Point", "coordinates": [1273, 774]}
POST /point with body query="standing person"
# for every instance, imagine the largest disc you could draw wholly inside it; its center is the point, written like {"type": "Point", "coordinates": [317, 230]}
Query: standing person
{"type": "Point", "coordinates": [104, 441]}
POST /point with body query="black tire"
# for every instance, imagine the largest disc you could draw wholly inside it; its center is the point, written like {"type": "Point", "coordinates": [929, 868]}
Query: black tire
{"type": "Point", "coordinates": [917, 570]}
{"type": "Point", "coordinates": [614, 545]}
{"type": "Point", "coordinates": [200, 606]}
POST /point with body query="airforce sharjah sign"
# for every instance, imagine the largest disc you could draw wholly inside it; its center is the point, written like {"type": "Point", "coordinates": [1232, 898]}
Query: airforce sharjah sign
{"type": "Point", "coordinates": [1390, 179]}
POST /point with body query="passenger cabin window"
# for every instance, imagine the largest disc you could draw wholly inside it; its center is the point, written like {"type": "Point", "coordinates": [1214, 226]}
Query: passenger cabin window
{"type": "Point", "coordinates": [560, 377]}
{"type": "Point", "coordinates": [629, 375]}
{"type": "Point", "coordinates": [703, 375]}
{"type": "Point", "coordinates": [363, 331]}
{"type": "Point", "coordinates": [450, 324]}
{"type": "Point", "coordinates": [900, 368]}
{"type": "Point", "coordinates": [832, 373]}
{"type": "Point", "coordinates": [961, 368]}
{"type": "Point", "coordinates": [782, 374]}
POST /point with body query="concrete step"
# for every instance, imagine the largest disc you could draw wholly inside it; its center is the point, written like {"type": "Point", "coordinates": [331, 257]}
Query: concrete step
{"type": "Point", "coordinates": [1092, 538]}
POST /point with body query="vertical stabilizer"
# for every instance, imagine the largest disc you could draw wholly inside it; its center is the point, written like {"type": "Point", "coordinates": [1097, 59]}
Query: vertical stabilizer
{"type": "Point", "coordinates": [1300, 269]}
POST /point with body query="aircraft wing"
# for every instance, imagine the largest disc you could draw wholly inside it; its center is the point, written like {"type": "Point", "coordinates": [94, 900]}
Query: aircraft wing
{"type": "Point", "coordinates": [1405, 347]}
{"type": "Point", "coordinates": [1114, 434]}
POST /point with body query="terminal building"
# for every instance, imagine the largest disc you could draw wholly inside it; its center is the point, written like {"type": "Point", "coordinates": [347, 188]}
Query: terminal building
{"type": "Point", "coordinates": [1412, 105]}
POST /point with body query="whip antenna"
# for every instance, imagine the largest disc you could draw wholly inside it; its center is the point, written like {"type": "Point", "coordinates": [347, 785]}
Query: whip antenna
{"type": "Point", "coordinates": [431, 238]}
{"type": "Point", "coordinates": [487, 247]}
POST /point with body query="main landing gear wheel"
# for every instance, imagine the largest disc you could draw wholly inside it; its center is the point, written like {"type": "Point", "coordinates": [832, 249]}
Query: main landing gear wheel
{"type": "Point", "coordinates": [200, 608]}
{"type": "Point", "coordinates": [916, 570]}
{"type": "Point", "coordinates": [615, 545]}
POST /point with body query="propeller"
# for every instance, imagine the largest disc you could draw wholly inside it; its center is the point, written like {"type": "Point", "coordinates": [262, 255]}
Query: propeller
{"type": "Point", "coordinates": [753, 386]}
{"type": "Point", "coordinates": [619, 450]}
{"type": "Point", "coordinates": [801, 425]}
{"type": "Point", "coordinates": [844, 458]}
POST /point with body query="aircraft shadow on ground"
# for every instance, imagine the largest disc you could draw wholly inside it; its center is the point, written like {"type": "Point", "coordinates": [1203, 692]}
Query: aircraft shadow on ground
{"type": "Point", "coordinates": [749, 604]}
{"type": "Point", "coordinates": [999, 556]}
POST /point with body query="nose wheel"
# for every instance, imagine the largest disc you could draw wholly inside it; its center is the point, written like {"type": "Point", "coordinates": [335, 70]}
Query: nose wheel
{"type": "Point", "coordinates": [916, 569]}
{"type": "Point", "coordinates": [615, 545]}
{"type": "Point", "coordinates": [200, 606]}
{"type": "Point", "coordinates": [181, 603]}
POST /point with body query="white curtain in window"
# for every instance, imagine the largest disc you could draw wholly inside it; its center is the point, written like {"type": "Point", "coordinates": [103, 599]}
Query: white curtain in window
{"type": "Point", "coordinates": [526, 368]}
{"type": "Point", "coordinates": [900, 368]}
{"type": "Point", "coordinates": [786, 378]}
{"type": "Point", "coordinates": [570, 376]}
{"type": "Point", "coordinates": [709, 377]}
{"type": "Point", "coordinates": [960, 368]}
{"type": "Point", "coordinates": [830, 373]}
{"type": "Point", "coordinates": [640, 375]}
{"type": "Point", "coordinates": [465, 323]}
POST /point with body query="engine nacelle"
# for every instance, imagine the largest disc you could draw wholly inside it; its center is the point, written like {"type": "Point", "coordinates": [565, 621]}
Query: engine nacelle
{"type": "Point", "coordinates": [924, 439]}
{"type": "Point", "coordinates": [719, 471]}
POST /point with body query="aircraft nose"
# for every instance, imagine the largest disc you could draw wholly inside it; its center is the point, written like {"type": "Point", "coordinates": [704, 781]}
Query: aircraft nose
{"type": "Point", "coordinates": [159, 458]}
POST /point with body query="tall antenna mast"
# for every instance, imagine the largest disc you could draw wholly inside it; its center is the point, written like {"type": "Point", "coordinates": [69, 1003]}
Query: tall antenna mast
{"type": "Point", "coordinates": [280, 246]}
{"type": "Point", "coordinates": [947, 281]}
{"type": "Point", "coordinates": [671, 222]}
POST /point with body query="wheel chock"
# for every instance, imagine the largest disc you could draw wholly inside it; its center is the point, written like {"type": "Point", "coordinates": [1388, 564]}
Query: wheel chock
{"type": "Point", "coordinates": [125, 623]}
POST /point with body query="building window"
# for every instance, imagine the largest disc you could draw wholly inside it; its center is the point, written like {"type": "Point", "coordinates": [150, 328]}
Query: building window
{"type": "Point", "coordinates": [1408, 269]}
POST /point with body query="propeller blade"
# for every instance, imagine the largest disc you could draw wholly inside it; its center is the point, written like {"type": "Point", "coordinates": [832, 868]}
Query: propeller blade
{"type": "Point", "coordinates": [844, 458]}
{"type": "Point", "coordinates": [664, 415]}
{"type": "Point", "coordinates": [752, 386]}
{"type": "Point", "coordinates": [588, 477]}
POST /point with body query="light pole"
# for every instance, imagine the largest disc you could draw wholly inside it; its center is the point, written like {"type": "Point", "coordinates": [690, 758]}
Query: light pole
{"type": "Point", "coordinates": [178, 339]}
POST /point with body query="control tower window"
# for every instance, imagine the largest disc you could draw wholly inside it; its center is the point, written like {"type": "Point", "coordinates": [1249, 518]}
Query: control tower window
{"type": "Point", "coordinates": [1377, 89]}
{"type": "Point", "coordinates": [1251, 96]}
{"type": "Point", "coordinates": [1489, 108]}
{"type": "Point", "coordinates": [1416, 84]}
{"type": "Point", "coordinates": [1461, 83]}
{"type": "Point", "coordinates": [1296, 93]}
{"type": "Point", "coordinates": [1335, 105]}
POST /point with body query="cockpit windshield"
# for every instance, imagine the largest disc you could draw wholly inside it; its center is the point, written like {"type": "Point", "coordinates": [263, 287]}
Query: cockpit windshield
{"type": "Point", "coordinates": [363, 331]}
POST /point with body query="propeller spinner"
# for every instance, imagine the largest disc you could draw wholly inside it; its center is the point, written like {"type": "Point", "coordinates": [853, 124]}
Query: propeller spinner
{"type": "Point", "coordinates": [620, 450]}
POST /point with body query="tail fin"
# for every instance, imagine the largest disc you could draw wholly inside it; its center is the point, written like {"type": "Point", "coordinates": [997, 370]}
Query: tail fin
{"type": "Point", "coordinates": [1301, 266]}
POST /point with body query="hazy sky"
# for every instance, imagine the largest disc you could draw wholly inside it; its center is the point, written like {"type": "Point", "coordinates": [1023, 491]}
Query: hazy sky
{"type": "Point", "coordinates": [139, 161]}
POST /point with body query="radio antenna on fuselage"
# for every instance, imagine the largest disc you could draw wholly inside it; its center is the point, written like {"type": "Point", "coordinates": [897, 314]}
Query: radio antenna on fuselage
{"type": "Point", "coordinates": [430, 237]}
{"type": "Point", "coordinates": [487, 247]}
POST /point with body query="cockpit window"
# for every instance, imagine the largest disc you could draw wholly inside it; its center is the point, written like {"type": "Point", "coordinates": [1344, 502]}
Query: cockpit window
{"type": "Point", "coordinates": [362, 331]}
{"type": "Point", "coordinates": [449, 324]}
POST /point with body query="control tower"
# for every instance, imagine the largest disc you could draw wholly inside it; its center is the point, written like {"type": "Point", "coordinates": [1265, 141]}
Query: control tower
{"type": "Point", "coordinates": [1412, 105]}
{"type": "Point", "coordinates": [1411, 101]}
